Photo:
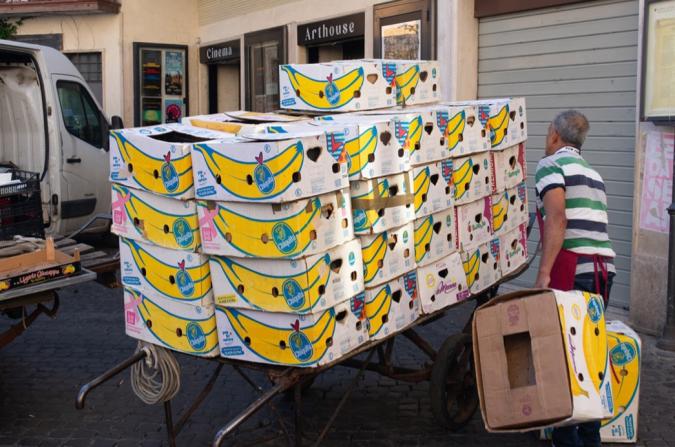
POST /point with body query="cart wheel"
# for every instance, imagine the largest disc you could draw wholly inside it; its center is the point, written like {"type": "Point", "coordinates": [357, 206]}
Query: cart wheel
{"type": "Point", "coordinates": [454, 398]}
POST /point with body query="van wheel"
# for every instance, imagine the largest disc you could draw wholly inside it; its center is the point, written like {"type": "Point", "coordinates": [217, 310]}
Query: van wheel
{"type": "Point", "coordinates": [454, 398]}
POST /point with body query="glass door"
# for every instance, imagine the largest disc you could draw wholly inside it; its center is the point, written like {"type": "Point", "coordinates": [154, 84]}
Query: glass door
{"type": "Point", "coordinates": [265, 51]}
{"type": "Point", "coordinates": [404, 29]}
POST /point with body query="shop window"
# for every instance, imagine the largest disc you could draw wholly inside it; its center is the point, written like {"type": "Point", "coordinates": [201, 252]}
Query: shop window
{"type": "Point", "coordinates": [265, 51]}
{"type": "Point", "coordinates": [90, 66]}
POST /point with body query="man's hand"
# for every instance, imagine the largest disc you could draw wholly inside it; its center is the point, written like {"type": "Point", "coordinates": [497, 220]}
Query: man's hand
{"type": "Point", "coordinates": [542, 281]}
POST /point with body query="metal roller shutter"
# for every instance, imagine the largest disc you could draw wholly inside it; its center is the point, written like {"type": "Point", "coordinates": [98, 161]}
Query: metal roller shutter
{"type": "Point", "coordinates": [582, 56]}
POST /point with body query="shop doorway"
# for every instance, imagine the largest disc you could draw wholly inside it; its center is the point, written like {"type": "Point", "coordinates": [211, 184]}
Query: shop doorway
{"type": "Point", "coordinates": [404, 29]}
{"type": "Point", "coordinates": [264, 52]}
{"type": "Point", "coordinates": [224, 92]}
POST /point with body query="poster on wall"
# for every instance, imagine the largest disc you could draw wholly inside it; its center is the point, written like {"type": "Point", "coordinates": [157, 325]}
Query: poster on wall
{"type": "Point", "coordinates": [402, 40]}
{"type": "Point", "coordinates": [151, 73]}
{"type": "Point", "coordinates": [659, 66]}
{"type": "Point", "coordinates": [173, 110]}
{"type": "Point", "coordinates": [151, 111]}
{"type": "Point", "coordinates": [173, 73]}
{"type": "Point", "coordinates": [657, 182]}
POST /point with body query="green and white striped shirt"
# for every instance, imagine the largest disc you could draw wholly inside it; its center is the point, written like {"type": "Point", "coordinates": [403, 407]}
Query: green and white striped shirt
{"type": "Point", "coordinates": [585, 204]}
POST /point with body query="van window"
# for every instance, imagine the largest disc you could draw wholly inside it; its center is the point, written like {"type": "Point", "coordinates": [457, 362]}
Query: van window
{"type": "Point", "coordinates": [80, 114]}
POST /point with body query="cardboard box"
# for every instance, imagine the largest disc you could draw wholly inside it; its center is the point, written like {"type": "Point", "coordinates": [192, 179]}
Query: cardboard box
{"type": "Point", "coordinates": [481, 266]}
{"type": "Point", "coordinates": [442, 283]}
{"type": "Point", "coordinates": [387, 255]}
{"type": "Point", "coordinates": [510, 168]}
{"type": "Point", "coordinates": [417, 82]}
{"type": "Point", "coordinates": [435, 236]}
{"type": "Point", "coordinates": [509, 209]}
{"type": "Point", "coordinates": [533, 366]}
{"type": "Point", "coordinates": [307, 285]}
{"type": "Point", "coordinates": [474, 223]}
{"type": "Point", "coordinates": [171, 324]}
{"type": "Point", "coordinates": [345, 86]}
{"type": "Point", "coordinates": [220, 122]}
{"type": "Point", "coordinates": [159, 272]}
{"type": "Point", "coordinates": [157, 158]}
{"type": "Point", "coordinates": [289, 339]}
{"type": "Point", "coordinates": [504, 118]}
{"type": "Point", "coordinates": [392, 307]}
{"type": "Point", "coordinates": [265, 230]}
{"type": "Point", "coordinates": [473, 178]}
{"type": "Point", "coordinates": [463, 131]}
{"type": "Point", "coordinates": [383, 203]}
{"type": "Point", "coordinates": [265, 167]}
{"type": "Point", "coordinates": [146, 217]}
{"type": "Point", "coordinates": [433, 187]}
{"type": "Point", "coordinates": [513, 250]}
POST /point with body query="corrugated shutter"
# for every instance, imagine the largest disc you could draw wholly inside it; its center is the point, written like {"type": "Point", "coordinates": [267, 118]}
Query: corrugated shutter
{"type": "Point", "coordinates": [582, 56]}
{"type": "Point", "coordinates": [212, 11]}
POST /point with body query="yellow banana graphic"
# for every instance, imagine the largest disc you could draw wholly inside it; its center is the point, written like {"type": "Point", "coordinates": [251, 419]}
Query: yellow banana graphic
{"type": "Point", "coordinates": [423, 235]}
{"type": "Point", "coordinates": [167, 175]}
{"type": "Point", "coordinates": [258, 179]}
{"type": "Point", "coordinates": [595, 339]}
{"type": "Point", "coordinates": [175, 332]}
{"type": "Point", "coordinates": [325, 94]}
{"type": "Point", "coordinates": [498, 125]}
{"type": "Point", "coordinates": [414, 137]}
{"type": "Point", "coordinates": [367, 218]}
{"type": "Point", "coordinates": [462, 176]}
{"type": "Point", "coordinates": [378, 309]}
{"type": "Point", "coordinates": [274, 238]}
{"type": "Point", "coordinates": [574, 381]}
{"type": "Point", "coordinates": [471, 267]}
{"type": "Point", "coordinates": [274, 293]}
{"type": "Point", "coordinates": [360, 150]}
{"type": "Point", "coordinates": [175, 231]}
{"type": "Point", "coordinates": [500, 211]}
{"type": "Point", "coordinates": [174, 281]}
{"type": "Point", "coordinates": [455, 129]}
{"type": "Point", "coordinates": [373, 256]}
{"type": "Point", "coordinates": [421, 185]}
{"type": "Point", "coordinates": [287, 346]}
{"type": "Point", "coordinates": [625, 372]}
{"type": "Point", "coordinates": [406, 83]}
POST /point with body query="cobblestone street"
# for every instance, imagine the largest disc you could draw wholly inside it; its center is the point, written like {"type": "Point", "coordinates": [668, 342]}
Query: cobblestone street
{"type": "Point", "coordinates": [41, 372]}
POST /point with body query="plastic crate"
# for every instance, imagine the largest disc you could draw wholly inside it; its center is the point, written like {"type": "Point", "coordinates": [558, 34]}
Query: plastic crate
{"type": "Point", "coordinates": [21, 206]}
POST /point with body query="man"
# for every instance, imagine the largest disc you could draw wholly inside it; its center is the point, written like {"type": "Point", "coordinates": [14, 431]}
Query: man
{"type": "Point", "coordinates": [576, 251]}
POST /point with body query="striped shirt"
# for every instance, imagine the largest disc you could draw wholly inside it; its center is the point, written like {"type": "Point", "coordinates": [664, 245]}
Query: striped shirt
{"type": "Point", "coordinates": [585, 204]}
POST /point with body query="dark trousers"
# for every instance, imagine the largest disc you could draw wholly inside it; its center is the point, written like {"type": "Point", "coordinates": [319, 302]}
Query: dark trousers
{"type": "Point", "coordinates": [588, 434]}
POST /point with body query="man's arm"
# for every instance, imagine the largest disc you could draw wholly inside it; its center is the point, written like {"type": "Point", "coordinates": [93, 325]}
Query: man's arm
{"type": "Point", "coordinates": [554, 234]}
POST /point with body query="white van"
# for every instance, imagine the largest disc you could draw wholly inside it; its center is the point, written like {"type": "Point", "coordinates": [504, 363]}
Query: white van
{"type": "Point", "coordinates": [50, 123]}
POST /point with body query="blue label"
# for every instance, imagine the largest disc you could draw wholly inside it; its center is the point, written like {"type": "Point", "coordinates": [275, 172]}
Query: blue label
{"type": "Point", "coordinates": [622, 354]}
{"type": "Point", "coordinates": [264, 179]}
{"type": "Point", "coordinates": [232, 351]}
{"type": "Point", "coordinates": [284, 238]}
{"type": "Point", "coordinates": [195, 336]}
{"type": "Point", "coordinates": [185, 284]}
{"type": "Point", "coordinates": [288, 102]}
{"type": "Point", "coordinates": [206, 191]}
{"type": "Point", "coordinates": [293, 293]}
{"type": "Point", "coordinates": [610, 399]}
{"type": "Point", "coordinates": [182, 233]}
{"type": "Point", "coordinates": [169, 177]}
{"type": "Point", "coordinates": [360, 220]}
{"type": "Point", "coordinates": [594, 309]}
{"type": "Point", "coordinates": [630, 427]}
{"type": "Point", "coordinates": [131, 281]}
{"type": "Point", "coordinates": [332, 93]}
{"type": "Point", "coordinates": [352, 258]}
{"type": "Point", "coordinates": [300, 346]}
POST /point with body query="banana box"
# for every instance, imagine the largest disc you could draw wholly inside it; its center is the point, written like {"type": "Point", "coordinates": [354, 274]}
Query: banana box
{"type": "Point", "coordinates": [417, 82]}
{"type": "Point", "coordinates": [442, 284]}
{"type": "Point", "coordinates": [473, 177]}
{"type": "Point", "coordinates": [147, 217]}
{"type": "Point", "coordinates": [435, 236]}
{"type": "Point", "coordinates": [337, 86]}
{"type": "Point", "coordinates": [220, 122]}
{"type": "Point", "coordinates": [387, 255]}
{"type": "Point", "coordinates": [269, 230]}
{"type": "Point", "coordinates": [306, 285]}
{"type": "Point", "coordinates": [481, 266]}
{"type": "Point", "coordinates": [513, 250]}
{"type": "Point", "coordinates": [433, 187]}
{"type": "Point", "coordinates": [171, 324]}
{"type": "Point", "coordinates": [504, 118]}
{"type": "Point", "coordinates": [541, 359]}
{"type": "Point", "coordinates": [268, 167]}
{"type": "Point", "coordinates": [392, 307]}
{"type": "Point", "coordinates": [157, 158]}
{"type": "Point", "coordinates": [463, 132]}
{"type": "Point", "coordinates": [159, 272]}
{"type": "Point", "coordinates": [369, 143]}
{"type": "Point", "coordinates": [474, 223]}
{"type": "Point", "coordinates": [509, 209]}
{"type": "Point", "coordinates": [509, 167]}
{"type": "Point", "coordinates": [308, 340]}
{"type": "Point", "coordinates": [383, 203]}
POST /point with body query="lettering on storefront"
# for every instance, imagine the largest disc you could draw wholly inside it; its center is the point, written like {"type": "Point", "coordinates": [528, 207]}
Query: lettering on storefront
{"type": "Point", "coordinates": [332, 30]}
{"type": "Point", "coordinates": [219, 53]}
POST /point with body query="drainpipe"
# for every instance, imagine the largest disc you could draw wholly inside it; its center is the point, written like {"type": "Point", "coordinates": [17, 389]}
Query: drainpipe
{"type": "Point", "coordinates": [667, 339]}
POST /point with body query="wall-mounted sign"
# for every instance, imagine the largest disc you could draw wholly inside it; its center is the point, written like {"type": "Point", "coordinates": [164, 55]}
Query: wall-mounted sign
{"type": "Point", "coordinates": [219, 52]}
{"type": "Point", "coordinates": [331, 30]}
{"type": "Point", "coordinates": [658, 62]}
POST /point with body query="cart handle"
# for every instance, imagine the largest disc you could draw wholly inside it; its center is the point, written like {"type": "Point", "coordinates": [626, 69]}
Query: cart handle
{"type": "Point", "coordinates": [90, 386]}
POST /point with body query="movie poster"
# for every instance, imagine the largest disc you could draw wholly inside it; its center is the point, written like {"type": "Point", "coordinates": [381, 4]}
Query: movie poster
{"type": "Point", "coordinates": [151, 73]}
{"type": "Point", "coordinates": [173, 110]}
{"type": "Point", "coordinates": [174, 71]}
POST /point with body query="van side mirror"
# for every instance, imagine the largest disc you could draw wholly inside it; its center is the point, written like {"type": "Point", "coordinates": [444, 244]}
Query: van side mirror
{"type": "Point", "coordinates": [116, 123]}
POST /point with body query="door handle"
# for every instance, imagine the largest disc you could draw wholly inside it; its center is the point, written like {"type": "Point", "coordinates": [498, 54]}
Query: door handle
{"type": "Point", "coordinates": [73, 160]}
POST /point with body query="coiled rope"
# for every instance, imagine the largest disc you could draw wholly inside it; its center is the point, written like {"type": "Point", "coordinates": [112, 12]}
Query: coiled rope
{"type": "Point", "coordinates": [156, 378]}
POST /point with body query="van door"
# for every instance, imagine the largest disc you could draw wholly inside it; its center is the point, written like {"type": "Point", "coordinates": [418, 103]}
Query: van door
{"type": "Point", "coordinates": [84, 154]}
